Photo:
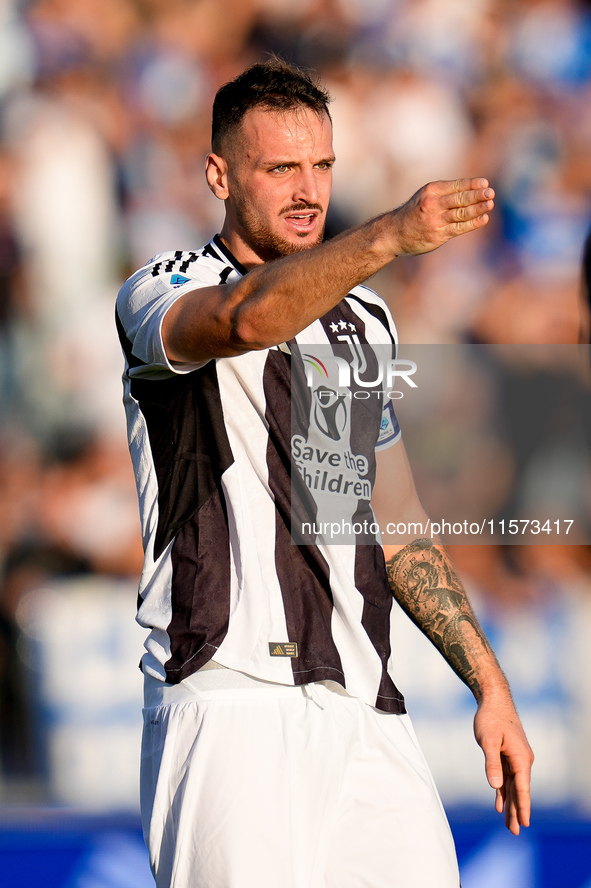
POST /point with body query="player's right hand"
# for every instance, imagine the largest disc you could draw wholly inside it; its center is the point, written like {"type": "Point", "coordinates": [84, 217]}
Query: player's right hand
{"type": "Point", "coordinates": [440, 211]}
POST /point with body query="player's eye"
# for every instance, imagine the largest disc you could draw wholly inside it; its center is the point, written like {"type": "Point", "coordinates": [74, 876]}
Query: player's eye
{"type": "Point", "coordinates": [282, 168]}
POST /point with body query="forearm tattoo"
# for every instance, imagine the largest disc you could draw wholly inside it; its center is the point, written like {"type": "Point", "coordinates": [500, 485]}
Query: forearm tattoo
{"type": "Point", "coordinates": [427, 587]}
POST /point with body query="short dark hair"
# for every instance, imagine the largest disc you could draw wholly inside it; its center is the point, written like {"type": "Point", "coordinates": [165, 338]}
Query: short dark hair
{"type": "Point", "coordinates": [273, 84]}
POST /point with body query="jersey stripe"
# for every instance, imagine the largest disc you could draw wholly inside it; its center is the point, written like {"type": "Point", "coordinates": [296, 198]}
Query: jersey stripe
{"type": "Point", "coordinates": [189, 444]}
{"type": "Point", "coordinates": [376, 310]}
{"type": "Point", "coordinates": [302, 570]}
{"type": "Point", "coordinates": [201, 565]}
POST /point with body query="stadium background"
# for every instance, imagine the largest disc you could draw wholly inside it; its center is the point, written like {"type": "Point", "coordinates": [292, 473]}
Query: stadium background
{"type": "Point", "coordinates": [104, 123]}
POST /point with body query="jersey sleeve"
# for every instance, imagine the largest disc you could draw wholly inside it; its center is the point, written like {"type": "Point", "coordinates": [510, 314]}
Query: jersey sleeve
{"type": "Point", "coordinates": [390, 431]}
{"type": "Point", "coordinates": [142, 304]}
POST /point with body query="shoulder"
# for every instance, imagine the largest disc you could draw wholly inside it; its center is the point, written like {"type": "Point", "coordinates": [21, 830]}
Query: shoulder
{"type": "Point", "coordinates": [148, 294]}
{"type": "Point", "coordinates": [208, 265]}
{"type": "Point", "coordinates": [174, 272]}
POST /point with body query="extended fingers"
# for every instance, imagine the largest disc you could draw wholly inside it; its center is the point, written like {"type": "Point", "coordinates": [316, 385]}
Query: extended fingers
{"type": "Point", "coordinates": [460, 192]}
{"type": "Point", "coordinates": [514, 797]}
{"type": "Point", "coordinates": [440, 211]}
{"type": "Point", "coordinates": [464, 199]}
{"type": "Point", "coordinates": [516, 813]}
{"type": "Point", "coordinates": [507, 801]}
{"type": "Point", "coordinates": [468, 205]}
{"type": "Point", "coordinates": [473, 213]}
{"type": "Point", "coordinates": [467, 197]}
{"type": "Point", "coordinates": [521, 792]}
{"type": "Point", "coordinates": [500, 801]}
{"type": "Point", "coordinates": [512, 820]}
{"type": "Point", "coordinates": [451, 186]}
{"type": "Point", "coordinates": [462, 205]}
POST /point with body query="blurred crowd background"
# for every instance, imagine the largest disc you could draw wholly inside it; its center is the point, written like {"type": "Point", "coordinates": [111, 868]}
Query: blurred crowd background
{"type": "Point", "coordinates": [104, 126]}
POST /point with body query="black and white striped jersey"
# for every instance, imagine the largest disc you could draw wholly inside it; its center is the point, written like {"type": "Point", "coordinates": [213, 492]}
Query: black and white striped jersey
{"type": "Point", "coordinates": [214, 446]}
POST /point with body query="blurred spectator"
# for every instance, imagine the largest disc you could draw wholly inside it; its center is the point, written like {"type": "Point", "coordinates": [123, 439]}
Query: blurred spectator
{"type": "Point", "coordinates": [26, 567]}
{"type": "Point", "coordinates": [89, 507]}
{"type": "Point", "coordinates": [549, 43]}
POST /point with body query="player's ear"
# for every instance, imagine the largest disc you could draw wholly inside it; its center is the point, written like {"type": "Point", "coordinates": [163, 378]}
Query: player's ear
{"type": "Point", "coordinates": [216, 173]}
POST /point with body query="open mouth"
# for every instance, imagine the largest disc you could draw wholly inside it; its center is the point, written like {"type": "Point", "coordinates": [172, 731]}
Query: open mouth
{"type": "Point", "coordinates": [305, 221]}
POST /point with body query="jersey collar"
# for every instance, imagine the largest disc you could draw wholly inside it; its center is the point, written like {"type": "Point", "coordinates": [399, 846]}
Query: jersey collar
{"type": "Point", "coordinates": [220, 245]}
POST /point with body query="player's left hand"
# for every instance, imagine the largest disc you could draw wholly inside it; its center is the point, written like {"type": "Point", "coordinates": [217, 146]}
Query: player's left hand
{"type": "Point", "coordinates": [508, 758]}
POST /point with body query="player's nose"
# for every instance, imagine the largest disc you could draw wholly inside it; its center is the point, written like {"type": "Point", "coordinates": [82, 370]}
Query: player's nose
{"type": "Point", "coordinates": [306, 186]}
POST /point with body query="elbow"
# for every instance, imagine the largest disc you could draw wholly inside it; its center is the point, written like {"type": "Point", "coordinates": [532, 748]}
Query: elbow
{"type": "Point", "coordinates": [245, 338]}
{"type": "Point", "coordinates": [251, 330]}
{"type": "Point", "coordinates": [253, 316]}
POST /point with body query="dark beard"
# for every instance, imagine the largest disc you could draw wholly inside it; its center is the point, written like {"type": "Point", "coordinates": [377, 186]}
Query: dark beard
{"type": "Point", "coordinates": [263, 242]}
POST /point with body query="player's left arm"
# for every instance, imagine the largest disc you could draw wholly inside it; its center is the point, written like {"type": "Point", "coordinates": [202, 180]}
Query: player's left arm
{"type": "Point", "coordinates": [427, 587]}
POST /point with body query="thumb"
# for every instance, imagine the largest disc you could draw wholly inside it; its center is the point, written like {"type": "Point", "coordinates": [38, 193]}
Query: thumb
{"type": "Point", "coordinates": [494, 769]}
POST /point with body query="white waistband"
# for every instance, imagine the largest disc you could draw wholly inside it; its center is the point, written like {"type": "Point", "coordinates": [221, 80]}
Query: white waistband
{"type": "Point", "coordinates": [214, 677]}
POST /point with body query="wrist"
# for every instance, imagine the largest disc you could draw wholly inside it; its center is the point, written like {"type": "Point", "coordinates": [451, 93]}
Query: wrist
{"type": "Point", "coordinates": [493, 686]}
{"type": "Point", "coordinates": [386, 237]}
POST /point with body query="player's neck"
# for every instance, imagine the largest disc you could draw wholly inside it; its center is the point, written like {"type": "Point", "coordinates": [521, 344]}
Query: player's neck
{"type": "Point", "coordinates": [239, 248]}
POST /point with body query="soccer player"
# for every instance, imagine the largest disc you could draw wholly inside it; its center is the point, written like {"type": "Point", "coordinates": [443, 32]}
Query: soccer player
{"type": "Point", "coordinates": [277, 749]}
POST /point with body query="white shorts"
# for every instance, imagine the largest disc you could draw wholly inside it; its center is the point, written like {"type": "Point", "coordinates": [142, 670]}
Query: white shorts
{"type": "Point", "coordinates": [256, 787]}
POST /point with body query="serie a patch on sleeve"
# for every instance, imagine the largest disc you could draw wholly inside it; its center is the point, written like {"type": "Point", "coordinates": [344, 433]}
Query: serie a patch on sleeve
{"type": "Point", "coordinates": [178, 280]}
{"type": "Point", "coordinates": [389, 426]}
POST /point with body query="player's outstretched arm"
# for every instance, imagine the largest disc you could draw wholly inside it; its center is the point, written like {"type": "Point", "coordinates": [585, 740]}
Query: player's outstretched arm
{"type": "Point", "coordinates": [427, 587]}
{"type": "Point", "coordinates": [274, 301]}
